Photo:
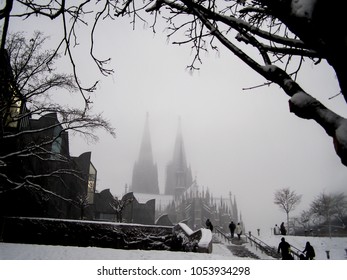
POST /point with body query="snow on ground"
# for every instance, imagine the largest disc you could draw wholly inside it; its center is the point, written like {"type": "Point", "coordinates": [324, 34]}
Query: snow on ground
{"type": "Point", "coordinates": [9, 251]}
{"type": "Point", "coordinates": [336, 246]}
{"type": "Point", "coordinates": [22, 261]}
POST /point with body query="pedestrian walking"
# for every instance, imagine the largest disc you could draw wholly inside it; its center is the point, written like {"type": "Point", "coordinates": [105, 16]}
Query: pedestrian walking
{"type": "Point", "coordinates": [284, 248]}
{"type": "Point", "coordinates": [238, 230]}
{"type": "Point", "coordinates": [232, 227]}
{"type": "Point", "coordinates": [209, 225]}
{"type": "Point", "coordinates": [310, 253]}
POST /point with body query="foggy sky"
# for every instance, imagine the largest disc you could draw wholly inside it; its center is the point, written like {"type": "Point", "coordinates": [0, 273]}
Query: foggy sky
{"type": "Point", "coordinates": [245, 142]}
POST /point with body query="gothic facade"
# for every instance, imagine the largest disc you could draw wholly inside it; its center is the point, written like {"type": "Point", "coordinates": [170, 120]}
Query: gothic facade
{"type": "Point", "coordinates": [183, 199]}
{"type": "Point", "coordinates": [196, 205]}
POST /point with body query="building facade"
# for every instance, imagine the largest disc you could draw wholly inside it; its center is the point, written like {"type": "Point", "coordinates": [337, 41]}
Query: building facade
{"type": "Point", "coordinates": [38, 176]}
{"type": "Point", "coordinates": [196, 205]}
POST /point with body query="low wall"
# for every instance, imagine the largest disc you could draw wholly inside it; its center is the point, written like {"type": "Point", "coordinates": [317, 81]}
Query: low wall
{"type": "Point", "coordinates": [85, 233]}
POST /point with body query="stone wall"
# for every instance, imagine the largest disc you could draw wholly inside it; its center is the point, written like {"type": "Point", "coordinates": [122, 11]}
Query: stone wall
{"type": "Point", "coordinates": [85, 233]}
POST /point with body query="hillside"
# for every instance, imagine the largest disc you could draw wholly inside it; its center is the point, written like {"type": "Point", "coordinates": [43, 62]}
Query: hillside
{"type": "Point", "coordinates": [336, 246]}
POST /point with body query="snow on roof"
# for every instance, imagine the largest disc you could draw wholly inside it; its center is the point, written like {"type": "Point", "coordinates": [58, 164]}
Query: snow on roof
{"type": "Point", "coordinates": [161, 200]}
{"type": "Point", "coordinates": [186, 228]}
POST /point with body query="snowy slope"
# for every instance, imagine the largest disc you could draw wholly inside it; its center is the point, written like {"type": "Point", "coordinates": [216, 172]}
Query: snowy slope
{"type": "Point", "coordinates": [336, 246]}
{"type": "Point", "coordinates": [9, 251]}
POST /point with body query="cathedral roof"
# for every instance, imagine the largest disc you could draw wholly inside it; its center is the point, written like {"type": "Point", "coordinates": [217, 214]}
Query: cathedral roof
{"type": "Point", "coordinates": [179, 155]}
{"type": "Point", "coordinates": [145, 172]}
{"type": "Point", "coordinates": [178, 174]}
{"type": "Point", "coordinates": [146, 154]}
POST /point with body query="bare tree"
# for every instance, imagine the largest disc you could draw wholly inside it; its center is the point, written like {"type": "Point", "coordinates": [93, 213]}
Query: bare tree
{"type": "Point", "coordinates": [82, 202]}
{"type": "Point", "coordinates": [278, 31]}
{"type": "Point", "coordinates": [304, 219]}
{"type": "Point", "coordinates": [118, 205]}
{"type": "Point", "coordinates": [30, 154]}
{"type": "Point", "coordinates": [67, 16]}
{"type": "Point", "coordinates": [273, 37]}
{"type": "Point", "coordinates": [328, 207]}
{"type": "Point", "coordinates": [287, 200]}
{"type": "Point", "coordinates": [341, 208]}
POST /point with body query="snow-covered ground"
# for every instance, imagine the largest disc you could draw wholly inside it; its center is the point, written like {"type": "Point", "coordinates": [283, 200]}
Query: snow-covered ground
{"type": "Point", "coordinates": [26, 261]}
{"type": "Point", "coordinates": [42, 252]}
{"type": "Point", "coordinates": [336, 246]}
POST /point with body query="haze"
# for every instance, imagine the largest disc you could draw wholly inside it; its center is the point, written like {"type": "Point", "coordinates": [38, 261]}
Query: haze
{"type": "Point", "coordinates": [243, 142]}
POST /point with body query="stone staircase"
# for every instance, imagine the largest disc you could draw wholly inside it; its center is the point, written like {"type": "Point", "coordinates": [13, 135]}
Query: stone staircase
{"type": "Point", "coordinates": [241, 251]}
{"type": "Point", "coordinates": [237, 247]}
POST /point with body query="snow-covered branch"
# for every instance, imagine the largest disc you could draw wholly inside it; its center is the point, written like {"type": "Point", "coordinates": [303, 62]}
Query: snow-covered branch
{"type": "Point", "coordinates": [250, 29]}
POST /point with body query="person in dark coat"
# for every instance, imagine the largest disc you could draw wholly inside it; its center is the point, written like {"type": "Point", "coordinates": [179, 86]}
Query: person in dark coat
{"type": "Point", "coordinates": [284, 248]}
{"type": "Point", "coordinates": [209, 225]}
{"type": "Point", "coordinates": [232, 227]}
{"type": "Point", "coordinates": [283, 229]}
{"type": "Point", "coordinates": [310, 253]}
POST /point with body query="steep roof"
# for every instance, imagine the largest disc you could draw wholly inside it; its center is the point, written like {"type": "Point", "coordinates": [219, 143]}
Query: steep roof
{"type": "Point", "coordinates": [146, 154]}
{"type": "Point", "coordinates": [178, 174]}
{"type": "Point", "coordinates": [145, 172]}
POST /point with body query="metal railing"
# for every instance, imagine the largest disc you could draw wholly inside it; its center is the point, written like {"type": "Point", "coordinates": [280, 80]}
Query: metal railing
{"type": "Point", "coordinates": [223, 234]}
{"type": "Point", "coordinates": [295, 251]}
{"type": "Point", "coordinates": [262, 246]}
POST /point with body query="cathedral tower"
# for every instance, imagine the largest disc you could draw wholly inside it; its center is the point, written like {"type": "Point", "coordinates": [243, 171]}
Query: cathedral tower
{"type": "Point", "coordinates": [145, 172]}
{"type": "Point", "coordinates": [178, 174]}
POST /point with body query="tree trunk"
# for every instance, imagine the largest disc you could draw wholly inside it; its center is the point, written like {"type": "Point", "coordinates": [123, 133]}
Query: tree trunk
{"type": "Point", "coordinates": [321, 27]}
{"type": "Point", "coordinates": [288, 227]}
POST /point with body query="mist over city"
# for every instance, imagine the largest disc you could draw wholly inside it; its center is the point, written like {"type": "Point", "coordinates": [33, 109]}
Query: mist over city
{"type": "Point", "coordinates": [237, 138]}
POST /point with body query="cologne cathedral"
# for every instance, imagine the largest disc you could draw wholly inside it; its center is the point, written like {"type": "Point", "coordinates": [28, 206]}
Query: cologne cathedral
{"type": "Point", "coordinates": [183, 199]}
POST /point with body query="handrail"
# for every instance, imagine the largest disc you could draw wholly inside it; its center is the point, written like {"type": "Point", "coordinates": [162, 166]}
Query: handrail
{"type": "Point", "coordinates": [270, 251]}
{"type": "Point", "coordinates": [218, 230]}
{"type": "Point", "coordinates": [295, 251]}
{"type": "Point", "coordinates": [267, 249]}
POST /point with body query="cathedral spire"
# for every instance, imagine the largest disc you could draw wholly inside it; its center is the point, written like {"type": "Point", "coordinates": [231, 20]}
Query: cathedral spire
{"type": "Point", "coordinates": [179, 156]}
{"type": "Point", "coordinates": [146, 154]}
{"type": "Point", "coordinates": [145, 172]}
{"type": "Point", "coordinates": [178, 174]}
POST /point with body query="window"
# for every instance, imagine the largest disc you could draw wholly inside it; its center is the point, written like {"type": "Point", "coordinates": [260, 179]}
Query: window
{"type": "Point", "coordinates": [14, 112]}
{"type": "Point", "coordinates": [91, 183]}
